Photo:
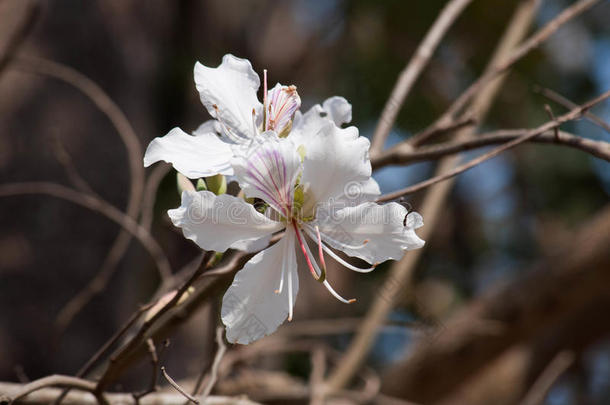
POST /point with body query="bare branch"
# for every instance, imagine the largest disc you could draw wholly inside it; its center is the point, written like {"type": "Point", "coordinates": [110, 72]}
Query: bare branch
{"type": "Point", "coordinates": [177, 387]}
{"type": "Point", "coordinates": [401, 271]}
{"type": "Point", "coordinates": [136, 171]}
{"type": "Point", "coordinates": [545, 381]}
{"type": "Point", "coordinates": [18, 17]}
{"type": "Point", "coordinates": [530, 44]}
{"type": "Point", "coordinates": [59, 381]}
{"type": "Point", "coordinates": [409, 75]}
{"type": "Point", "coordinates": [44, 396]}
{"type": "Point", "coordinates": [222, 348]}
{"type": "Point", "coordinates": [561, 100]}
{"type": "Point", "coordinates": [574, 114]}
{"type": "Point", "coordinates": [404, 154]}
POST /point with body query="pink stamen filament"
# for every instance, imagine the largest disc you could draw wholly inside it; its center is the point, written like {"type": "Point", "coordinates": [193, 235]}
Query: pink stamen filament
{"type": "Point", "coordinates": [320, 251]}
{"type": "Point", "coordinates": [304, 249]}
{"type": "Point", "coordinates": [265, 99]}
{"type": "Point", "coordinates": [326, 283]}
{"type": "Point", "coordinates": [346, 246]}
{"type": "Point", "coordinates": [338, 258]}
{"type": "Point", "coordinates": [234, 137]}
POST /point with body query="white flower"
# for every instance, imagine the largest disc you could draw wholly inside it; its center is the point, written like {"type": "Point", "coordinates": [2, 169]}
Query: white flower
{"type": "Point", "coordinates": [316, 183]}
{"type": "Point", "coordinates": [228, 92]}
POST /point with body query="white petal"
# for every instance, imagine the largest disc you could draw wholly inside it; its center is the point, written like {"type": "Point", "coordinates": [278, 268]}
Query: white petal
{"type": "Point", "coordinates": [338, 110]}
{"type": "Point", "coordinates": [194, 156]}
{"type": "Point", "coordinates": [231, 88]}
{"type": "Point", "coordinates": [336, 159]}
{"type": "Point", "coordinates": [372, 232]}
{"type": "Point", "coordinates": [251, 307]}
{"type": "Point", "coordinates": [210, 126]}
{"type": "Point", "coordinates": [222, 222]}
{"type": "Point", "coordinates": [268, 170]}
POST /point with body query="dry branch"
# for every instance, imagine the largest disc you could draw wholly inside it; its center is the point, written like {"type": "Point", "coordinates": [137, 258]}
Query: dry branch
{"type": "Point", "coordinates": [136, 172]}
{"type": "Point", "coordinates": [401, 272]}
{"type": "Point", "coordinates": [405, 154]}
{"type": "Point", "coordinates": [551, 125]}
{"type": "Point", "coordinates": [416, 65]}
{"type": "Point", "coordinates": [44, 396]}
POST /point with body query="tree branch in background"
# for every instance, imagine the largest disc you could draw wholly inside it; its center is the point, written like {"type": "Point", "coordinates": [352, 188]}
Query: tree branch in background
{"type": "Point", "coordinates": [402, 271]}
{"type": "Point", "coordinates": [95, 204]}
{"type": "Point", "coordinates": [572, 115]}
{"type": "Point", "coordinates": [44, 396]}
{"type": "Point", "coordinates": [506, 63]}
{"type": "Point", "coordinates": [18, 18]}
{"type": "Point", "coordinates": [136, 172]}
{"type": "Point", "coordinates": [416, 65]}
{"type": "Point", "coordinates": [406, 155]}
{"type": "Point", "coordinates": [561, 100]}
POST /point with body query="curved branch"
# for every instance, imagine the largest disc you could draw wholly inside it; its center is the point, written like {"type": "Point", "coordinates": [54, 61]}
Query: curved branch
{"type": "Point", "coordinates": [120, 122]}
{"type": "Point", "coordinates": [405, 154]}
{"type": "Point", "coordinates": [97, 205]}
{"type": "Point", "coordinates": [412, 71]}
{"type": "Point", "coordinates": [530, 44]}
{"type": "Point", "coordinates": [574, 114]}
{"type": "Point", "coordinates": [59, 381]}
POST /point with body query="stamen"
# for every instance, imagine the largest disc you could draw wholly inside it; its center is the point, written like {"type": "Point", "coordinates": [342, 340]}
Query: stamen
{"type": "Point", "coordinates": [234, 137]}
{"type": "Point", "coordinates": [279, 289]}
{"type": "Point", "coordinates": [289, 296]}
{"type": "Point", "coordinates": [346, 246]}
{"type": "Point", "coordinates": [320, 251]}
{"type": "Point", "coordinates": [340, 260]}
{"type": "Point", "coordinates": [265, 100]}
{"type": "Point", "coordinates": [337, 296]}
{"type": "Point", "coordinates": [305, 249]}
{"type": "Point", "coordinates": [254, 130]}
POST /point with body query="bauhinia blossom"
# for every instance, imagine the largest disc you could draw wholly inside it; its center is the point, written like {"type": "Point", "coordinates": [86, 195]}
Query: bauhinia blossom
{"type": "Point", "coordinates": [228, 92]}
{"type": "Point", "coordinates": [316, 184]}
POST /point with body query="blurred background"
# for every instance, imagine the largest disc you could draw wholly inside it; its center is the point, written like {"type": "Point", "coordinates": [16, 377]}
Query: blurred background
{"type": "Point", "coordinates": [502, 218]}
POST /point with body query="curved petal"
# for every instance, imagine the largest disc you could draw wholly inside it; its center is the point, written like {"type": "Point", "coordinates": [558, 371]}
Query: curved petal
{"type": "Point", "coordinates": [222, 222]}
{"type": "Point", "coordinates": [228, 92]}
{"type": "Point", "coordinates": [268, 170]}
{"type": "Point", "coordinates": [338, 110]}
{"type": "Point", "coordinates": [194, 156]}
{"type": "Point", "coordinates": [254, 306]}
{"type": "Point", "coordinates": [209, 126]}
{"type": "Point", "coordinates": [336, 151]}
{"type": "Point", "coordinates": [372, 232]}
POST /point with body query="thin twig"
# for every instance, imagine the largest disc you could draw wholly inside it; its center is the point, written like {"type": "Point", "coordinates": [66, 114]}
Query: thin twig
{"type": "Point", "coordinates": [432, 132]}
{"type": "Point", "coordinates": [136, 173]}
{"type": "Point", "coordinates": [222, 348]}
{"type": "Point", "coordinates": [416, 65]}
{"type": "Point", "coordinates": [64, 158]}
{"type": "Point", "coordinates": [574, 114]}
{"type": "Point", "coordinates": [98, 205]}
{"type": "Point", "coordinates": [134, 342]}
{"type": "Point", "coordinates": [19, 17]}
{"type": "Point", "coordinates": [561, 100]}
{"type": "Point", "coordinates": [560, 363]}
{"type": "Point", "coordinates": [60, 381]}
{"type": "Point", "coordinates": [401, 272]}
{"type": "Point", "coordinates": [530, 44]}
{"type": "Point", "coordinates": [549, 111]}
{"type": "Point", "coordinates": [177, 387]}
{"type": "Point", "coordinates": [150, 191]}
{"type": "Point", "coordinates": [404, 154]}
{"type": "Point", "coordinates": [154, 360]}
